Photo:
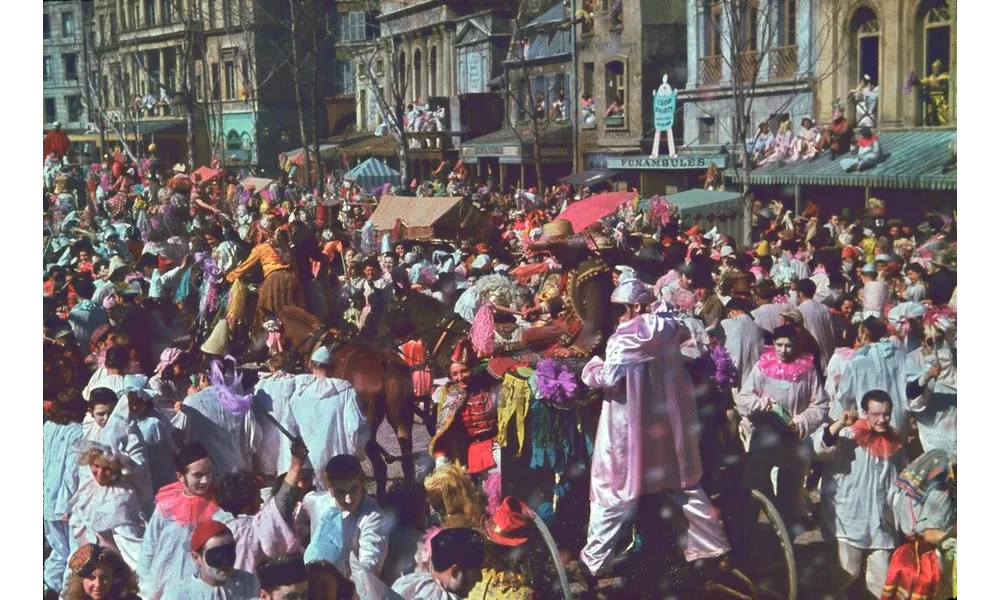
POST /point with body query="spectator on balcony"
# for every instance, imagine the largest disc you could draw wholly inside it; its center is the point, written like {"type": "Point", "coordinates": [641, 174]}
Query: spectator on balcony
{"type": "Point", "coordinates": [558, 111]}
{"type": "Point", "coordinates": [804, 145]}
{"type": "Point", "coordinates": [587, 110]}
{"type": "Point", "coordinates": [616, 109]}
{"type": "Point", "coordinates": [837, 136]}
{"type": "Point", "coordinates": [759, 145]}
{"type": "Point", "coordinates": [869, 152]}
{"type": "Point", "coordinates": [866, 99]}
{"type": "Point", "coordinates": [782, 147]}
{"type": "Point", "coordinates": [540, 111]}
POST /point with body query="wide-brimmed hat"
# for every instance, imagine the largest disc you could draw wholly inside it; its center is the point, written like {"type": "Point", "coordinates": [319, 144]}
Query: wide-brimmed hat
{"type": "Point", "coordinates": [554, 232]}
{"type": "Point", "coordinates": [509, 524]}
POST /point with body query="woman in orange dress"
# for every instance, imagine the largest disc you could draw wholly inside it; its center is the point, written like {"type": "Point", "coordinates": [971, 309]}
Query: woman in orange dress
{"type": "Point", "coordinates": [281, 287]}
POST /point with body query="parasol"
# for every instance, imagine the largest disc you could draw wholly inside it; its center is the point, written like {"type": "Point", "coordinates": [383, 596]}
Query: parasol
{"type": "Point", "coordinates": [205, 173]}
{"type": "Point", "coordinates": [590, 210]}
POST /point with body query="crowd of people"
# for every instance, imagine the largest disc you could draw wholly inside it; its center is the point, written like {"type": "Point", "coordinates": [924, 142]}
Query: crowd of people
{"type": "Point", "coordinates": [171, 470]}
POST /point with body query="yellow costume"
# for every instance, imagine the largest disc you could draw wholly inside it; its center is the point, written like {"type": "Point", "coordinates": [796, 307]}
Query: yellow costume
{"type": "Point", "coordinates": [935, 89]}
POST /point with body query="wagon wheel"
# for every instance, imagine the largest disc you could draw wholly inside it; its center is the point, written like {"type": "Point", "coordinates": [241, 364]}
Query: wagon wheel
{"type": "Point", "coordinates": [762, 549]}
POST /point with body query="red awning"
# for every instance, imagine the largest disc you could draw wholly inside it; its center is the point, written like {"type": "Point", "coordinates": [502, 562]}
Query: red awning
{"type": "Point", "coordinates": [590, 210]}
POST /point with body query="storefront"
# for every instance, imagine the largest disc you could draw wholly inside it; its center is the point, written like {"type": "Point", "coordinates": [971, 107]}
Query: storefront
{"type": "Point", "coordinates": [660, 175]}
{"type": "Point", "coordinates": [509, 154]}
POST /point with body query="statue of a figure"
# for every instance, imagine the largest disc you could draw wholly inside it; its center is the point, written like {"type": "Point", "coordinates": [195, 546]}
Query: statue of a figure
{"type": "Point", "coordinates": [664, 105]}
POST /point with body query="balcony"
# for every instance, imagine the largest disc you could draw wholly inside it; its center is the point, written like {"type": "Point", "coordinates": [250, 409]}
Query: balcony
{"type": "Point", "coordinates": [164, 30]}
{"type": "Point", "coordinates": [709, 70]}
{"type": "Point", "coordinates": [749, 66]}
{"type": "Point", "coordinates": [784, 62]}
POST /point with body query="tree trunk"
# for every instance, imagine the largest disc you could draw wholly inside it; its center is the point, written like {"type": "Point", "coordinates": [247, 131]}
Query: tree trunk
{"type": "Point", "coordinates": [298, 98]}
{"type": "Point", "coordinates": [317, 100]}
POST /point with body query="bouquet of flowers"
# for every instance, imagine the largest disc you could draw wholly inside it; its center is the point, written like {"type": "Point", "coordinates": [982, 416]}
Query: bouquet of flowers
{"type": "Point", "coordinates": [725, 369]}
{"type": "Point", "coordinates": [555, 383]}
{"type": "Point", "coordinates": [661, 211]}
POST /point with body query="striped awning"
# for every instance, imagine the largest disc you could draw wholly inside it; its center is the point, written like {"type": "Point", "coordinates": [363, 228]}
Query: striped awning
{"type": "Point", "coordinates": [373, 173]}
{"type": "Point", "coordinates": [912, 159]}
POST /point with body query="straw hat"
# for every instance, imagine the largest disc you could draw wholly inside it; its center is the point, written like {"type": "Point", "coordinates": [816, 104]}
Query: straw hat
{"type": "Point", "coordinates": [217, 343]}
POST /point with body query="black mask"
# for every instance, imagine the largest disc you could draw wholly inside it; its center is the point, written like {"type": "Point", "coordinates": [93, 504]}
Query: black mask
{"type": "Point", "coordinates": [221, 557]}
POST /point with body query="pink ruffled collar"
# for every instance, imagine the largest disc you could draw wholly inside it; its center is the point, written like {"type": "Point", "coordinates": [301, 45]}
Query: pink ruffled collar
{"type": "Point", "coordinates": [186, 510]}
{"type": "Point", "coordinates": [771, 366]}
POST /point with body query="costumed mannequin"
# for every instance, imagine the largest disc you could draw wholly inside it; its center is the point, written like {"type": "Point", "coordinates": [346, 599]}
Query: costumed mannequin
{"type": "Point", "coordinates": [468, 417]}
{"type": "Point", "coordinates": [664, 105]}
{"type": "Point", "coordinates": [934, 89]}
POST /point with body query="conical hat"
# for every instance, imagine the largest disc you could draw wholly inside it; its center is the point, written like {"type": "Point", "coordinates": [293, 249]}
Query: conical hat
{"type": "Point", "coordinates": [217, 344]}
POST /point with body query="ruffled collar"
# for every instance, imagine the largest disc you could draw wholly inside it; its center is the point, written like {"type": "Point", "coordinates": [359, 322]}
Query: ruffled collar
{"type": "Point", "coordinates": [102, 508]}
{"type": "Point", "coordinates": [879, 445]}
{"type": "Point", "coordinates": [771, 366]}
{"type": "Point", "coordinates": [186, 510]}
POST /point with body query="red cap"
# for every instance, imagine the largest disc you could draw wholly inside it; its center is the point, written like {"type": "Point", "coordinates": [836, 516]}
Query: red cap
{"type": "Point", "coordinates": [508, 525]}
{"type": "Point", "coordinates": [463, 353]}
{"type": "Point", "coordinates": [205, 531]}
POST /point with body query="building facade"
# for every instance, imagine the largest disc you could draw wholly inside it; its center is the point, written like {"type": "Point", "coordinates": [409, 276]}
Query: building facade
{"type": "Point", "coordinates": [221, 67]}
{"type": "Point", "coordinates": [778, 52]}
{"type": "Point", "coordinates": [624, 52]}
{"type": "Point", "coordinates": [64, 72]}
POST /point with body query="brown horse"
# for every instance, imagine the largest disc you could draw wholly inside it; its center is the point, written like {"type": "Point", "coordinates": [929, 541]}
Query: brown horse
{"type": "Point", "coordinates": [382, 381]}
{"type": "Point", "coordinates": [418, 316]}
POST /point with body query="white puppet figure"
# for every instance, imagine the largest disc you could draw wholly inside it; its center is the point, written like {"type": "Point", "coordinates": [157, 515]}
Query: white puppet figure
{"type": "Point", "coordinates": [664, 117]}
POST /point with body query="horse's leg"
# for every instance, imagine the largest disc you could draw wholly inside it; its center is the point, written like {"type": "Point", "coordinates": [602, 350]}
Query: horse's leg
{"type": "Point", "coordinates": [374, 414]}
{"type": "Point", "coordinates": [399, 406]}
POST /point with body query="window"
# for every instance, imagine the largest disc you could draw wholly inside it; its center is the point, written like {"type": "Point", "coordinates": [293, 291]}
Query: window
{"type": "Point", "coordinates": [707, 134]}
{"type": "Point", "coordinates": [68, 25]}
{"type": "Point", "coordinates": [352, 26]}
{"type": "Point", "coordinates": [372, 28]}
{"type": "Point", "coordinates": [211, 14]}
{"type": "Point", "coordinates": [433, 67]}
{"type": "Point", "coordinates": [46, 27]}
{"type": "Point", "coordinates": [150, 13]}
{"type": "Point", "coordinates": [216, 90]}
{"type": "Point", "coordinates": [227, 13]}
{"type": "Point", "coordinates": [50, 110]}
{"type": "Point", "coordinates": [104, 89]}
{"type": "Point", "coordinates": [614, 81]}
{"type": "Point", "coordinates": [749, 43]}
{"type": "Point", "coordinates": [522, 110]}
{"type": "Point", "coordinates": [198, 87]}
{"type": "Point", "coordinates": [69, 67]}
{"type": "Point", "coordinates": [417, 84]}
{"type": "Point", "coordinates": [100, 28]}
{"type": "Point", "coordinates": [114, 25]}
{"type": "Point", "coordinates": [866, 45]}
{"type": "Point", "coordinates": [74, 109]}
{"type": "Point", "coordinates": [245, 71]}
{"type": "Point", "coordinates": [167, 11]}
{"type": "Point", "coordinates": [713, 29]}
{"type": "Point", "coordinates": [46, 68]}
{"type": "Point", "coordinates": [230, 80]}
{"type": "Point", "coordinates": [787, 17]}
{"type": "Point", "coordinates": [345, 77]}
{"type": "Point", "coordinates": [935, 89]}
{"type": "Point", "coordinates": [233, 141]}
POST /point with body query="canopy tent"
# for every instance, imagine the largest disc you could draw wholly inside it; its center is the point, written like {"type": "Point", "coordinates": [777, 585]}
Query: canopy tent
{"type": "Point", "coordinates": [373, 173]}
{"type": "Point", "coordinates": [589, 178]}
{"type": "Point", "coordinates": [709, 208]}
{"type": "Point", "coordinates": [327, 151]}
{"type": "Point", "coordinates": [258, 183]}
{"type": "Point", "coordinates": [427, 218]}
{"type": "Point", "coordinates": [205, 173]}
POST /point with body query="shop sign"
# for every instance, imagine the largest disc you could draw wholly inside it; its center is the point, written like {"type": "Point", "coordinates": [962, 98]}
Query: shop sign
{"type": "Point", "coordinates": [665, 162]}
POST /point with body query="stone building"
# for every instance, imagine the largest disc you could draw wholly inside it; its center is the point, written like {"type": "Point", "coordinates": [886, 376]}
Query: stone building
{"type": "Point", "coordinates": [442, 53]}
{"type": "Point", "coordinates": [64, 71]}
{"type": "Point", "coordinates": [230, 58]}
{"type": "Point", "coordinates": [624, 51]}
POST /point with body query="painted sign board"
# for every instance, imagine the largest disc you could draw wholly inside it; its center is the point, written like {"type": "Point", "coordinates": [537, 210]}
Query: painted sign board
{"type": "Point", "coordinates": [665, 162]}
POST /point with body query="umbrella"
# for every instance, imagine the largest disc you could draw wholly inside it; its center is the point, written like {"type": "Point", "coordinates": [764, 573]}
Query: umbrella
{"type": "Point", "coordinates": [205, 173]}
{"type": "Point", "coordinates": [590, 210]}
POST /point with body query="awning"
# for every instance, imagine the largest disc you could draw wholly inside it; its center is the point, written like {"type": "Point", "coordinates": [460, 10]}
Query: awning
{"type": "Point", "coordinates": [912, 159]}
{"type": "Point", "coordinates": [384, 145]}
{"type": "Point", "coordinates": [589, 178]}
{"type": "Point", "coordinates": [148, 127]}
{"type": "Point", "coordinates": [373, 173]}
{"type": "Point", "coordinates": [710, 208]}
{"type": "Point", "coordinates": [258, 183]}
{"type": "Point", "coordinates": [514, 146]}
{"type": "Point", "coordinates": [425, 218]}
{"type": "Point", "coordinates": [327, 150]}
